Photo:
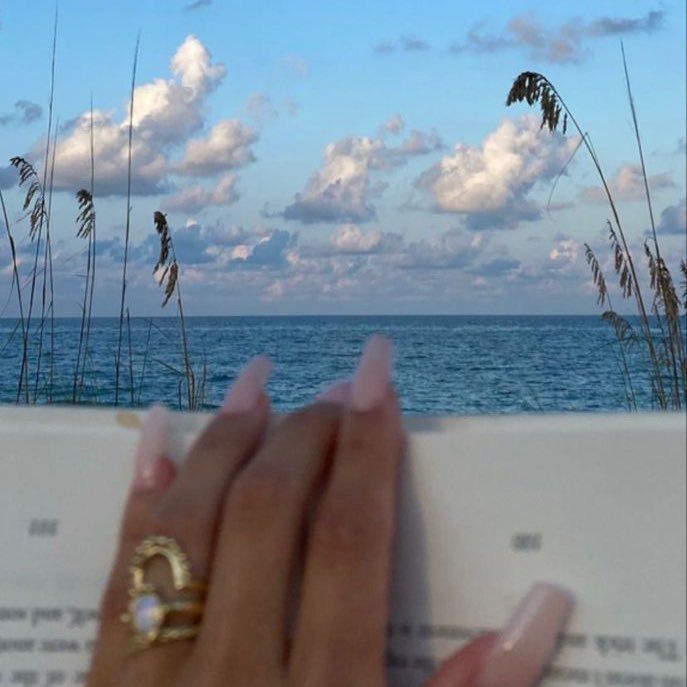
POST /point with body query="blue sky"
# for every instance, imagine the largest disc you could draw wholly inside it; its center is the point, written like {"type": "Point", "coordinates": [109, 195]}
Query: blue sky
{"type": "Point", "coordinates": [344, 157]}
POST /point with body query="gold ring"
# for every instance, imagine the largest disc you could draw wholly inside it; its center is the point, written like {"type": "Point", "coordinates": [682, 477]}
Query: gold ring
{"type": "Point", "coordinates": [148, 613]}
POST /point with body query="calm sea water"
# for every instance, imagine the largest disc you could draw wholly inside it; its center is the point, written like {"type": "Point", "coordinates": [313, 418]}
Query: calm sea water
{"type": "Point", "coordinates": [444, 364]}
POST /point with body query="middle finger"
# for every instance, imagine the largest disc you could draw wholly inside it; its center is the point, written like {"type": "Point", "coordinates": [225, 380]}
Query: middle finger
{"type": "Point", "coordinates": [258, 544]}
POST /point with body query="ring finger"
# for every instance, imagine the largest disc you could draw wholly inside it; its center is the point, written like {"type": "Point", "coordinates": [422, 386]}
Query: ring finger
{"type": "Point", "coordinates": [185, 511]}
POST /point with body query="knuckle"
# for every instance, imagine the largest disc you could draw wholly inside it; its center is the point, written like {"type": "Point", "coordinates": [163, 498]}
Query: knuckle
{"type": "Point", "coordinates": [322, 412]}
{"type": "Point", "coordinates": [210, 444]}
{"type": "Point", "coordinates": [350, 528]}
{"type": "Point", "coordinates": [225, 433]}
{"type": "Point", "coordinates": [373, 446]}
{"type": "Point", "coordinates": [317, 418]}
{"type": "Point", "coordinates": [258, 494]}
{"type": "Point", "coordinates": [356, 444]}
{"type": "Point", "coordinates": [181, 519]}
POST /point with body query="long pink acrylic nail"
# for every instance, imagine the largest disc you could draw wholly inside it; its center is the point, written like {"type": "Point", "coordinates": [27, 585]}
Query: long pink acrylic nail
{"type": "Point", "coordinates": [153, 447]}
{"type": "Point", "coordinates": [529, 639]}
{"type": "Point", "coordinates": [373, 376]}
{"type": "Point", "coordinates": [339, 392]}
{"type": "Point", "coordinates": [248, 387]}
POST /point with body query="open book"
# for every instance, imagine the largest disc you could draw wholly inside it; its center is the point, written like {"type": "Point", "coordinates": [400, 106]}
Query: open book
{"type": "Point", "coordinates": [488, 506]}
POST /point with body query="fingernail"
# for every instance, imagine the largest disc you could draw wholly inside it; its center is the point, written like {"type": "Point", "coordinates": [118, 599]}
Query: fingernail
{"type": "Point", "coordinates": [153, 447]}
{"type": "Point", "coordinates": [372, 378]}
{"type": "Point", "coordinates": [248, 387]}
{"type": "Point", "coordinates": [529, 639]}
{"type": "Point", "coordinates": [339, 392]}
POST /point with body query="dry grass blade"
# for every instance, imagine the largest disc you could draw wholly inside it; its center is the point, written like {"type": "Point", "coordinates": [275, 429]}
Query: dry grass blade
{"type": "Point", "coordinates": [162, 229]}
{"type": "Point", "coordinates": [172, 275]}
{"type": "Point", "coordinates": [85, 220]}
{"type": "Point", "coordinates": [623, 330]}
{"type": "Point", "coordinates": [622, 327]}
{"type": "Point", "coordinates": [671, 302]}
{"type": "Point", "coordinates": [662, 284]}
{"type": "Point", "coordinates": [23, 382]}
{"type": "Point", "coordinates": [532, 88]}
{"type": "Point", "coordinates": [170, 268]}
{"type": "Point", "coordinates": [85, 229]}
{"type": "Point", "coordinates": [34, 194]}
{"type": "Point", "coordinates": [131, 355]}
{"type": "Point", "coordinates": [127, 229]}
{"type": "Point", "coordinates": [621, 263]}
{"type": "Point", "coordinates": [652, 265]}
{"type": "Point", "coordinates": [47, 292]}
{"type": "Point", "coordinates": [167, 261]}
{"type": "Point", "coordinates": [597, 274]}
{"type": "Point", "coordinates": [146, 351]}
{"type": "Point", "coordinates": [666, 307]}
{"type": "Point", "coordinates": [562, 171]}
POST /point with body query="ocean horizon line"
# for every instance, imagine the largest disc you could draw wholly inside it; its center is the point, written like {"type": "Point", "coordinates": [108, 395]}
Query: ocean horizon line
{"type": "Point", "coordinates": [327, 315]}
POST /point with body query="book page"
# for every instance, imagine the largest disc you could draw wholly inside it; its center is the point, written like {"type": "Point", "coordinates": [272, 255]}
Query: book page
{"type": "Point", "coordinates": [488, 506]}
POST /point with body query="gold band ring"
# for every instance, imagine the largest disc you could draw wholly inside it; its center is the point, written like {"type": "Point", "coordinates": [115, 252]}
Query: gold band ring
{"type": "Point", "coordinates": [148, 614]}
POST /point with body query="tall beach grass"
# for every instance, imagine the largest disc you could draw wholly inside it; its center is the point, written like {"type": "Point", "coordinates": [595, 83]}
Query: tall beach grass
{"type": "Point", "coordinates": [659, 335]}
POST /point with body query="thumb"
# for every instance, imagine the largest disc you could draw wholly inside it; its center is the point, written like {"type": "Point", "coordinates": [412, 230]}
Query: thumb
{"type": "Point", "coordinates": [522, 651]}
{"type": "Point", "coordinates": [462, 669]}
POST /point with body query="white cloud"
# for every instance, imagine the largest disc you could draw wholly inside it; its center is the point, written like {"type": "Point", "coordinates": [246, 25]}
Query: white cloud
{"type": "Point", "coordinates": [191, 63]}
{"type": "Point", "coordinates": [26, 112]}
{"type": "Point", "coordinates": [342, 189]}
{"type": "Point", "coordinates": [198, 4]}
{"type": "Point", "coordinates": [166, 113]}
{"type": "Point", "coordinates": [450, 250]}
{"type": "Point", "coordinates": [394, 125]}
{"type": "Point", "coordinates": [110, 139]}
{"type": "Point", "coordinates": [271, 250]}
{"type": "Point", "coordinates": [627, 184]}
{"type": "Point", "coordinates": [8, 177]}
{"type": "Point", "coordinates": [226, 147]}
{"type": "Point", "coordinates": [350, 239]}
{"type": "Point", "coordinates": [403, 44]}
{"type": "Point", "coordinates": [295, 65]}
{"type": "Point", "coordinates": [420, 143]}
{"type": "Point", "coordinates": [674, 219]}
{"type": "Point", "coordinates": [193, 199]}
{"type": "Point", "coordinates": [490, 183]}
{"type": "Point", "coordinates": [565, 43]}
{"type": "Point", "coordinates": [564, 251]}
{"type": "Point", "coordinates": [292, 107]}
{"type": "Point", "coordinates": [166, 110]}
{"type": "Point", "coordinates": [260, 108]}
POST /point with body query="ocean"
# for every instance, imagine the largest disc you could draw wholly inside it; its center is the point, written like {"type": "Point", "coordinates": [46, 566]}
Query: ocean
{"type": "Point", "coordinates": [443, 364]}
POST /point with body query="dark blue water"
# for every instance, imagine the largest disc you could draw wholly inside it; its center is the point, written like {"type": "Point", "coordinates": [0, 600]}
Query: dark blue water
{"type": "Point", "coordinates": [444, 364]}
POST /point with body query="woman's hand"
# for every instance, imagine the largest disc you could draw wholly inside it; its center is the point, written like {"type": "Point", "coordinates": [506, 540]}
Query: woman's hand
{"type": "Point", "coordinates": [291, 528]}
